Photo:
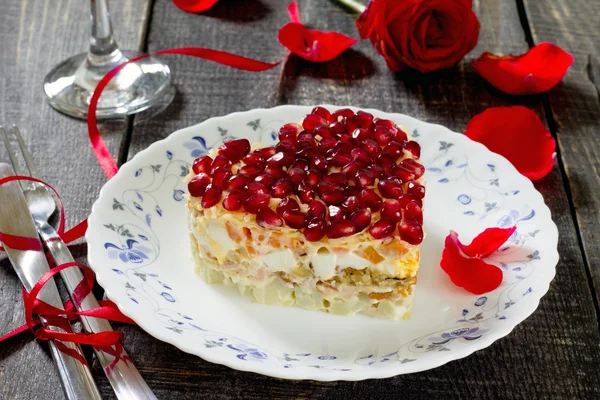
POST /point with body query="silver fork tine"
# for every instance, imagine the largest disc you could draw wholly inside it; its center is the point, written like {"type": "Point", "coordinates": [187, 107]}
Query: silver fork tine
{"type": "Point", "coordinates": [33, 171]}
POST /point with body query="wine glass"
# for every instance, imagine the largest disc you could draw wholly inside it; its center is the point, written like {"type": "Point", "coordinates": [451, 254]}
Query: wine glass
{"type": "Point", "coordinates": [137, 87]}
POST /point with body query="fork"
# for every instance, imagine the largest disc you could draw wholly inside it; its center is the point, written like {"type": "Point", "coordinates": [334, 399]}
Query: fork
{"type": "Point", "coordinates": [124, 377]}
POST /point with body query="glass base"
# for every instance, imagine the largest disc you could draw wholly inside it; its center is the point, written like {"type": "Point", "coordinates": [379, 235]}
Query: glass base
{"type": "Point", "coordinates": [137, 87]}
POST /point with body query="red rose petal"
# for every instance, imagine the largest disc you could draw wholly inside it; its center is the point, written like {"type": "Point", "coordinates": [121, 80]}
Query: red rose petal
{"type": "Point", "coordinates": [517, 134]}
{"type": "Point", "coordinates": [472, 274]}
{"type": "Point", "coordinates": [312, 45]}
{"type": "Point", "coordinates": [537, 71]}
{"type": "Point", "coordinates": [487, 242]}
{"type": "Point", "coordinates": [195, 6]}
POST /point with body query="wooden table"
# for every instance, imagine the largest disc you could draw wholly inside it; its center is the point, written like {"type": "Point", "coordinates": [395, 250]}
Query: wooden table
{"type": "Point", "coordinates": [553, 354]}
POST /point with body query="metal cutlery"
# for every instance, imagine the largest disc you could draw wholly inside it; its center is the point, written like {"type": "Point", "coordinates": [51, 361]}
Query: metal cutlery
{"type": "Point", "coordinates": [124, 377]}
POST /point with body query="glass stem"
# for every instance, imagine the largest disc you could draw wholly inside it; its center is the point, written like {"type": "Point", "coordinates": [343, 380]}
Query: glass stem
{"type": "Point", "coordinates": [353, 5]}
{"type": "Point", "coordinates": [103, 46]}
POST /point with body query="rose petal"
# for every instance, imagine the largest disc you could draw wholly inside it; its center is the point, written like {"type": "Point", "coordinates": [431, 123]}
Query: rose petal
{"type": "Point", "coordinates": [537, 71]}
{"type": "Point", "coordinates": [294, 12]}
{"type": "Point", "coordinates": [472, 274]}
{"type": "Point", "coordinates": [517, 134]}
{"type": "Point", "coordinates": [487, 242]}
{"type": "Point", "coordinates": [195, 6]}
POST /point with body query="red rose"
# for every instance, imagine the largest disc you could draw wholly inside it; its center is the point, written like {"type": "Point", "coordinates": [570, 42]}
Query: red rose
{"type": "Point", "coordinates": [422, 34]}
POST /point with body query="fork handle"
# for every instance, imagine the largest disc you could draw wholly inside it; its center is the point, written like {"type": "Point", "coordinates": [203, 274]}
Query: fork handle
{"type": "Point", "coordinates": [124, 377]}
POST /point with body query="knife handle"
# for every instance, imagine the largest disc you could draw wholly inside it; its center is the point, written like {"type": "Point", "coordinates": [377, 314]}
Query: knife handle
{"type": "Point", "coordinates": [124, 377]}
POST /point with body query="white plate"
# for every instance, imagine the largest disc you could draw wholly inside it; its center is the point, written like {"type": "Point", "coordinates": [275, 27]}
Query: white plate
{"type": "Point", "coordinates": [138, 247]}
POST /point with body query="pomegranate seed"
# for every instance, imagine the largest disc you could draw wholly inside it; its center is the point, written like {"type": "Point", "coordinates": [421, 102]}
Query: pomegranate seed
{"type": "Point", "coordinates": [339, 160]}
{"type": "Point", "coordinates": [315, 229]}
{"type": "Point", "coordinates": [385, 122]}
{"type": "Point", "coordinates": [382, 228]}
{"type": "Point", "coordinates": [365, 178]}
{"type": "Point", "coordinates": [313, 121]}
{"type": "Point", "coordinates": [350, 204]}
{"type": "Point", "coordinates": [351, 168]}
{"type": "Point", "coordinates": [305, 193]}
{"type": "Point", "coordinates": [410, 232]}
{"type": "Point", "coordinates": [275, 172]}
{"type": "Point", "coordinates": [326, 144]}
{"type": "Point", "coordinates": [300, 163]}
{"type": "Point", "coordinates": [342, 112]}
{"type": "Point", "coordinates": [376, 170]}
{"type": "Point", "coordinates": [336, 177]}
{"type": "Point", "coordinates": [220, 161]}
{"type": "Point", "coordinates": [372, 148]}
{"type": "Point", "coordinates": [297, 175]}
{"type": "Point", "coordinates": [280, 160]}
{"type": "Point", "coordinates": [333, 196]}
{"type": "Point", "coordinates": [202, 164]}
{"type": "Point", "coordinates": [352, 191]}
{"type": "Point", "coordinates": [390, 188]}
{"type": "Point", "coordinates": [323, 132]}
{"type": "Point", "coordinates": [323, 112]}
{"type": "Point", "coordinates": [361, 155]}
{"type": "Point", "coordinates": [319, 163]}
{"type": "Point", "coordinates": [336, 213]}
{"type": "Point", "coordinates": [221, 177]}
{"type": "Point", "coordinates": [294, 219]}
{"type": "Point", "coordinates": [400, 136]}
{"type": "Point", "coordinates": [307, 154]}
{"type": "Point", "coordinates": [338, 229]}
{"type": "Point", "coordinates": [342, 147]}
{"type": "Point", "coordinates": [306, 140]}
{"type": "Point", "coordinates": [327, 186]}
{"type": "Point", "coordinates": [313, 177]}
{"type": "Point", "coordinates": [265, 152]}
{"type": "Point", "coordinates": [361, 219]}
{"type": "Point", "coordinates": [197, 185]}
{"type": "Point", "coordinates": [394, 149]}
{"type": "Point", "coordinates": [316, 209]}
{"type": "Point", "coordinates": [288, 133]}
{"type": "Point", "coordinates": [255, 202]}
{"type": "Point", "coordinates": [267, 218]}
{"type": "Point", "coordinates": [337, 129]}
{"type": "Point", "coordinates": [238, 182]}
{"type": "Point", "coordinates": [368, 198]}
{"type": "Point", "coordinates": [250, 170]}
{"type": "Point", "coordinates": [286, 148]}
{"type": "Point", "coordinates": [391, 210]}
{"type": "Point", "coordinates": [414, 148]}
{"type": "Point", "coordinates": [282, 188]}
{"type": "Point", "coordinates": [364, 119]}
{"type": "Point", "coordinates": [265, 179]}
{"type": "Point", "coordinates": [256, 187]}
{"type": "Point", "coordinates": [410, 164]}
{"type": "Point", "coordinates": [386, 162]}
{"type": "Point", "coordinates": [351, 123]}
{"type": "Point", "coordinates": [409, 198]}
{"type": "Point", "coordinates": [360, 135]}
{"type": "Point", "coordinates": [402, 173]}
{"type": "Point", "coordinates": [233, 201]}
{"type": "Point", "coordinates": [413, 212]}
{"type": "Point", "coordinates": [415, 188]}
{"type": "Point", "coordinates": [254, 159]}
{"type": "Point", "coordinates": [382, 135]}
{"type": "Point", "coordinates": [235, 150]}
{"type": "Point", "coordinates": [212, 196]}
{"type": "Point", "coordinates": [348, 140]}
{"type": "Point", "coordinates": [287, 204]}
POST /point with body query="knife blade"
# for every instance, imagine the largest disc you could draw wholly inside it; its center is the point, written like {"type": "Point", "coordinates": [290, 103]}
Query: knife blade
{"type": "Point", "coordinates": [30, 266]}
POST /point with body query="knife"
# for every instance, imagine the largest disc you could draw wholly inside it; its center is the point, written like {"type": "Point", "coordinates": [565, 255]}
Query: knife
{"type": "Point", "coordinates": [30, 266]}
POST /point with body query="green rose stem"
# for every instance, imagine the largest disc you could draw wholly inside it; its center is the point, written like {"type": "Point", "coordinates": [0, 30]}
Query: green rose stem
{"type": "Point", "coordinates": [353, 5]}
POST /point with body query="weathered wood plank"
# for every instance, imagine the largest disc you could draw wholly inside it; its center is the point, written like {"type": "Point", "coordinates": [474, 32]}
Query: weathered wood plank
{"type": "Point", "coordinates": [34, 36]}
{"type": "Point", "coordinates": [575, 105]}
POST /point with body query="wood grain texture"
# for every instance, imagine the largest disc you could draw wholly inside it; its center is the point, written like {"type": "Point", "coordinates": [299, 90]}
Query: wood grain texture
{"type": "Point", "coordinates": [575, 108]}
{"type": "Point", "coordinates": [34, 36]}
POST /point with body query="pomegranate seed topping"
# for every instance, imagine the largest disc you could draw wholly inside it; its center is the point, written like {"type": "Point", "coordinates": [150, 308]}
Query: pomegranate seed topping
{"type": "Point", "coordinates": [351, 169]}
{"type": "Point", "coordinates": [342, 147]}
{"type": "Point", "coordinates": [365, 178]}
{"type": "Point", "coordinates": [414, 166]}
{"type": "Point", "coordinates": [361, 219]}
{"type": "Point", "coordinates": [382, 135]}
{"type": "Point", "coordinates": [316, 209]}
{"type": "Point", "coordinates": [254, 159]}
{"type": "Point", "coordinates": [394, 149]}
{"type": "Point", "coordinates": [336, 177]}
{"type": "Point", "coordinates": [221, 177]}
{"type": "Point", "coordinates": [326, 144]}
{"type": "Point", "coordinates": [400, 136]}
{"type": "Point", "coordinates": [342, 112]}
{"type": "Point", "coordinates": [313, 177]}
{"type": "Point", "coordinates": [413, 212]}
{"type": "Point", "coordinates": [385, 122]}
{"type": "Point", "coordinates": [255, 187]}
{"type": "Point", "coordinates": [409, 198]}
{"type": "Point", "coordinates": [382, 228]}
{"type": "Point", "coordinates": [414, 148]}
{"type": "Point", "coordinates": [376, 170]}
{"type": "Point", "coordinates": [297, 175]}
{"type": "Point", "coordinates": [234, 200]}
{"type": "Point", "coordinates": [352, 191]}
{"type": "Point", "coordinates": [250, 170]}
{"type": "Point", "coordinates": [368, 198]}
{"type": "Point", "coordinates": [348, 140]}
{"type": "Point", "coordinates": [197, 185]}
{"type": "Point", "coordinates": [202, 164]}
{"type": "Point", "coordinates": [336, 213]}
{"type": "Point", "coordinates": [220, 161]}
{"type": "Point", "coordinates": [265, 152]}
{"type": "Point", "coordinates": [333, 196]}
{"type": "Point", "coordinates": [361, 155]}
{"type": "Point", "coordinates": [235, 150]}
{"type": "Point", "coordinates": [360, 134]}
{"type": "Point", "coordinates": [255, 202]}
{"type": "Point", "coordinates": [390, 188]}
{"type": "Point", "coordinates": [287, 204]}
{"type": "Point", "coordinates": [364, 119]}
{"type": "Point", "coordinates": [371, 147]}
{"type": "Point", "coordinates": [391, 210]}
{"type": "Point", "coordinates": [327, 186]}
{"type": "Point", "coordinates": [275, 172]}
{"type": "Point", "coordinates": [294, 219]}
{"type": "Point", "coordinates": [402, 173]}
{"type": "Point", "coordinates": [338, 229]}
{"type": "Point", "coordinates": [410, 232]}
{"type": "Point", "coordinates": [337, 129]}
{"type": "Point", "coordinates": [313, 121]}
{"type": "Point", "coordinates": [212, 196]}
{"type": "Point", "coordinates": [289, 149]}
{"type": "Point", "coordinates": [319, 163]}
{"type": "Point", "coordinates": [321, 111]}
{"type": "Point", "coordinates": [339, 160]}
{"type": "Point", "coordinates": [386, 162]}
{"type": "Point", "coordinates": [415, 188]}
{"type": "Point", "coordinates": [350, 204]}
{"type": "Point", "coordinates": [324, 132]}
{"type": "Point", "coordinates": [282, 188]}
{"type": "Point", "coordinates": [306, 140]}
{"type": "Point", "coordinates": [288, 133]}
{"type": "Point", "coordinates": [305, 193]}
{"type": "Point", "coordinates": [266, 179]}
{"type": "Point", "coordinates": [306, 154]}
{"type": "Point", "coordinates": [280, 160]}
{"type": "Point", "coordinates": [315, 230]}
{"type": "Point", "coordinates": [268, 218]}
{"type": "Point", "coordinates": [300, 163]}
{"type": "Point", "coordinates": [238, 182]}
{"type": "Point", "coordinates": [351, 124]}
